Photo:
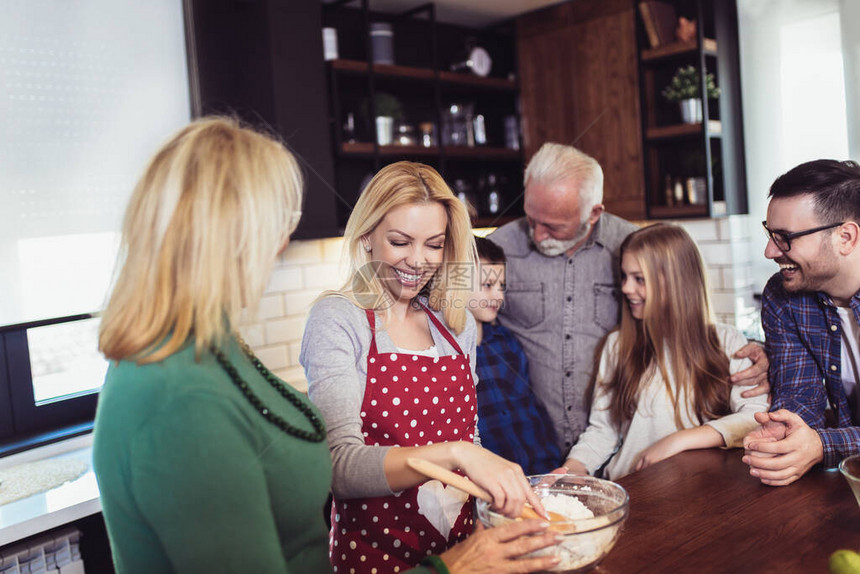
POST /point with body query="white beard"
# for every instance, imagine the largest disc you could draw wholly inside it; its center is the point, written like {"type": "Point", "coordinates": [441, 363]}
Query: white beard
{"type": "Point", "coordinates": [552, 247]}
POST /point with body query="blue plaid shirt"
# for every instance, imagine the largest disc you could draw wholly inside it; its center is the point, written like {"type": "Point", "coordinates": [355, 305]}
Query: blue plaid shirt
{"type": "Point", "coordinates": [511, 421]}
{"type": "Point", "coordinates": [804, 343]}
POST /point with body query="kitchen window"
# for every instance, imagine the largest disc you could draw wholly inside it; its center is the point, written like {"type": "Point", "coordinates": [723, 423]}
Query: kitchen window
{"type": "Point", "coordinates": [90, 89]}
{"type": "Point", "coordinates": [51, 373]}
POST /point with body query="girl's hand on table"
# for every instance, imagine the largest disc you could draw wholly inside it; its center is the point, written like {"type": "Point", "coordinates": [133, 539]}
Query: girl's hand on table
{"type": "Point", "coordinates": [499, 550]}
{"type": "Point", "coordinates": [662, 449]}
{"type": "Point", "coordinates": [703, 436]}
{"type": "Point", "coordinates": [503, 479]}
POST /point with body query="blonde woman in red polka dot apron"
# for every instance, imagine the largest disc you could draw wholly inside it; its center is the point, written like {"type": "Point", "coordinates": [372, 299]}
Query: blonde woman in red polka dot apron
{"type": "Point", "coordinates": [410, 400]}
{"type": "Point", "coordinates": [387, 359]}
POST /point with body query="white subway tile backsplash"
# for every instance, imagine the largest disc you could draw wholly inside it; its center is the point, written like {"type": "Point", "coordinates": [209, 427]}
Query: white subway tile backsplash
{"type": "Point", "coordinates": [716, 254]}
{"type": "Point", "coordinates": [723, 302]}
{"type": "Point", "coordinates": [322, 276]}
{"type": "Point", "coordinates": [271, 306]}
{"type": "Point", "coordinates": [332, 249]}
{"type": "Point", "coordinates": [288, 278]}
{"type": "Point", "coordinates": [274, 357]}
{"type": "Point", "coordinates": [701, 230]}
{"type": "Point", "coordinates": [298, 252]}
{"type": "Point", "coordinates": [284, 330]}
{"type": "Point", "coordinates": [715, 277]}
{"type": "Point", "coordinates": [299, 302]}
{"type": "Point", "coordinates": [734, 228]}
{"type": "Point", "coordinates": [254, 335]}
{"type": "Point", "coordinates": [741, 253]}
{"type": "Point", "coordinates": [293, 351]}
{"type": "Point", "coordinates": [737, 277]}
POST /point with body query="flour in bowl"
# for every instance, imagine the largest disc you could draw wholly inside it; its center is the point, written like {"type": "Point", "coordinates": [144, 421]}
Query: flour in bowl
{"type": "Point", "coordinates": [568, 506]}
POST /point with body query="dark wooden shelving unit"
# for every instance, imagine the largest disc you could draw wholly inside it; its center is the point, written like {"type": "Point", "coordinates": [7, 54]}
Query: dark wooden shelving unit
{"type": "Point", "coordinates": [707, 155]}
{"type": "Point", "coordinates": [715, 129]}
{"type": "Point", "coordinates": [478, 81]}
{"type": "Point", "coordinates": [709, 48]}
{"type": "Point", "coordinates": [367, 149]}
{"type": "Point", "coordinates": [394, 71]}
{"type": "Point", "coordinates": [421, 80]}
{"type": "Point", "coordinates": [455, 78]}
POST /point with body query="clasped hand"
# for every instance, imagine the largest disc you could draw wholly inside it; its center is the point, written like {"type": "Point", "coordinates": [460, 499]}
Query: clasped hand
{"type": "Point", "coordinates": [782, 449]}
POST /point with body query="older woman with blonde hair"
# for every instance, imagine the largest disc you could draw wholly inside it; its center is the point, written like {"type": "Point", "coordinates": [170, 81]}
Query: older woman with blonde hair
{"type": "Point", "coordinates": [206, 461]}
{"type": "Point", "coordinates": [389, 363]}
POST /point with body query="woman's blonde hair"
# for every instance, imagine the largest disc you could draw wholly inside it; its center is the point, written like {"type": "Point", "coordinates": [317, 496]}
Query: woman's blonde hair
{"type": "Point", "coordinates": [405, 183]}
{"type": "Point", "coordinates": [676, 325]}
{"type": "Point", "coordinates": [201, 233]}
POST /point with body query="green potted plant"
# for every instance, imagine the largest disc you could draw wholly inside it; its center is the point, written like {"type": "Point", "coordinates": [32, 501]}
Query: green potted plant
{"type": "Point", "coordinates": [685, 88]}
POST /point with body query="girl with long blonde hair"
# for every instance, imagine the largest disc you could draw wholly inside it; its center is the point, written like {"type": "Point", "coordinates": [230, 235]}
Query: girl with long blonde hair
{"type": "Point", "coordinates": [389, 362]}
{"type": "Point", "coordinates": [663, 383]}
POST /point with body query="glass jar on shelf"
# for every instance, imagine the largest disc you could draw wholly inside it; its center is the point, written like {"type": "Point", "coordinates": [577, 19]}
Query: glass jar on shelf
{"type": "Point", "coordinates": [428, 134]}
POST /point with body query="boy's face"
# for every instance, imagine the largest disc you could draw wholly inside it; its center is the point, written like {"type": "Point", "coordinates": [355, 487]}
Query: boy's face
{"type": "Point", "coordinates": [486, 300]}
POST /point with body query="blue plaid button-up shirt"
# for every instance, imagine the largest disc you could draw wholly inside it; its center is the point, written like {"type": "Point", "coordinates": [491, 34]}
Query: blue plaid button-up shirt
{"type": "Point", "coordinates": [804, 343]}
{"type": "Point", "coordinates": [511, 421]}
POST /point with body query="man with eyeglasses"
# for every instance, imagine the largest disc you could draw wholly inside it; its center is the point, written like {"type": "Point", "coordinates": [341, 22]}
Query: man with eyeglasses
{"type": "Point", "coordinates": [811, 318]}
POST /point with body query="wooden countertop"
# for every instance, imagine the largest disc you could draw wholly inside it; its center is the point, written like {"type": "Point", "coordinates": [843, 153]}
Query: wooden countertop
{"type": "Point", "coordinates": [701, 511]}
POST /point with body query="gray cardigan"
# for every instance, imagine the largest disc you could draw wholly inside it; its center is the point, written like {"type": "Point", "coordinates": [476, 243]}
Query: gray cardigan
{"type": "Point", "coordinates": [334, 356]}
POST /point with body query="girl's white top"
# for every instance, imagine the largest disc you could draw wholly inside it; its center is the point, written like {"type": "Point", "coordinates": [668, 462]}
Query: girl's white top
{"type": "Point", "coordinates": [654, 418]}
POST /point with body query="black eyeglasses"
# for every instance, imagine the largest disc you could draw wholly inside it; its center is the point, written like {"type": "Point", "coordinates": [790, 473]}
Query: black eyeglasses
{"type": "Point", "coordinates": [783, 239]}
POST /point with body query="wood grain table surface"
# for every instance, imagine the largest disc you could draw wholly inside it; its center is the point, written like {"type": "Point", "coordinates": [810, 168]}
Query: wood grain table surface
{"type": "Point", "coordinates": [701, 511]}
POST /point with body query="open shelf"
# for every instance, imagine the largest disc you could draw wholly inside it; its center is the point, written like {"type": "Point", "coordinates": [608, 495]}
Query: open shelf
{"type": "Point", "coordinates": [668, 212]}
{"type": "Point", "coordinates": [478, 81]}
{"type": "Point", "coordinates": [715, 129]}
{"type": "Point", "coordinates": [673, 211]}
{"type": "Point", "coordinates": [394, 71]}
{"type": "Point", "coordinates": [679, 49]}
{"type": "Point", "coordinates": [365, 149]}
{"type": "Point", "coordinates": [362, 149]}
{"type": "Point", "coordinates": [482, 152]}
{"type": "Point", "coordinates": [419, 78]}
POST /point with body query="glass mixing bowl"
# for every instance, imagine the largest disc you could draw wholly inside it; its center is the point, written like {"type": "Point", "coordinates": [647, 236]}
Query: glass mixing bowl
{"type": "Point", "coordinates": [585, 541]}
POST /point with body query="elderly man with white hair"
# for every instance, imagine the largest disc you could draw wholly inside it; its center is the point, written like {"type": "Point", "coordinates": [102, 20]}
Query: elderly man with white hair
{"type": "Point", "coordinates": [563, 292]}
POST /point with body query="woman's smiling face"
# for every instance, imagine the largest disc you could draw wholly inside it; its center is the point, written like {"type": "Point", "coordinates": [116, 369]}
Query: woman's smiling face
{"type": "Point", "coordinates": [409, 242]}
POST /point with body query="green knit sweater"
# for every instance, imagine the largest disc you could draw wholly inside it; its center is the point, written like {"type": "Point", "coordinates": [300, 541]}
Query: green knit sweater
{"type": "Point", "coordinates": [194, 479]}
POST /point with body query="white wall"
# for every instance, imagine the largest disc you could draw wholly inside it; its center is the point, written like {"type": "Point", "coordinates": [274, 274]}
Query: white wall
{"type": "Point", "coordinates": [850, 16]}
{"type": "Point", "coordinates": [797, 106]}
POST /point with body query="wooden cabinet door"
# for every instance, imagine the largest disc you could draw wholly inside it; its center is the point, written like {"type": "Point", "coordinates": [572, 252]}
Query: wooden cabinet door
{"type": "Point", "coordinates": [579, 86]}
{"type": "Point", "coordinates": [262, 61]}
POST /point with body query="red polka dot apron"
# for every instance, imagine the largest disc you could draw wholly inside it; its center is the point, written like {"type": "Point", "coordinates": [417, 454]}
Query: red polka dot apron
{"type": "Point", "coordinates": [409, 400]}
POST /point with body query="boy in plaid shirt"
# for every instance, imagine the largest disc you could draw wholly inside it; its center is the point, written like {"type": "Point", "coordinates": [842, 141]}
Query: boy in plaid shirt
{"type": "Point", "coordinates": [511, 420]}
